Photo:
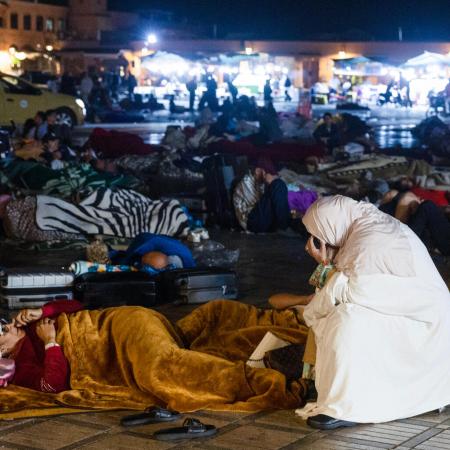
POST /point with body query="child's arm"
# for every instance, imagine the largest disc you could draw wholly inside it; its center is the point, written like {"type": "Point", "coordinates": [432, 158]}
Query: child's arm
{"type": "Point", "coordinates": [283, 301]}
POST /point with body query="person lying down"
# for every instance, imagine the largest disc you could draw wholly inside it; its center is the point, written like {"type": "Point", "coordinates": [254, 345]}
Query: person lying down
{"type": "Point", "coordinates": [133, 357]}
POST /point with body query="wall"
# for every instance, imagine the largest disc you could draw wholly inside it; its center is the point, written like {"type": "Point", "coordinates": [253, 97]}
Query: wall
{"type": "Point", "coordinates": [30, 39]}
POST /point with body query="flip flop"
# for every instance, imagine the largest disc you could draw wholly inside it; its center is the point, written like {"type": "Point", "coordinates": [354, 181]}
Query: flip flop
{"type": "Point", "coordinates": [191, 429]}
{"type": "Point", "coordinates": [151, 415]}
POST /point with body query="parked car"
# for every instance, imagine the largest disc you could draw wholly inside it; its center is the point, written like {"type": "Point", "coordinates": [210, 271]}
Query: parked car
{"type": "Point", "coordinates": [20, 100]}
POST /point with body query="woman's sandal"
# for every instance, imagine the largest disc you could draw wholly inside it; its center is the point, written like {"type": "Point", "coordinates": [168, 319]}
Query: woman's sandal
{"type": "Point", "coordinates": [151, 415]}
{"type": "Point", "coordinates": [191, 429]}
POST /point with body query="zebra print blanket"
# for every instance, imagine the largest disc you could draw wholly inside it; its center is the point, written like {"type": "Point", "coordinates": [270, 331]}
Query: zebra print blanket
{"type": "Point", "coordinates": [122, 213]}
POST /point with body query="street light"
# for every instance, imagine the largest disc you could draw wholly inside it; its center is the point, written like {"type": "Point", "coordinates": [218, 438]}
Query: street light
{"type": "Point", "coordinates": [248, 50]}
{"type": "Point", "coordinates": [152, 39]}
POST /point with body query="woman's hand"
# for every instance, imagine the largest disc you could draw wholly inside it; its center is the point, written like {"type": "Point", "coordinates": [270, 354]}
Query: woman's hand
{"type": "Point", "coordinates": [46, 331]}
{"type": "Point", "coordinates": [27, 316]}
{"type": "Point", "coordinates": [318, 254]}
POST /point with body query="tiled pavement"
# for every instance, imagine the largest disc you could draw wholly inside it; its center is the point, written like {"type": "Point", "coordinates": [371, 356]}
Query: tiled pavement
{"type": "Point", "coordinates": [268, 264]}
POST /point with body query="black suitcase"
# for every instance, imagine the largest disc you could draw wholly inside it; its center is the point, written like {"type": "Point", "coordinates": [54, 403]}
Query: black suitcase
{"type": "Point", "coordinates": [100, 290]}
{"type": "Point", "coordinates": [198, 285]}
{"type": "Point", "coordinates": [221, 173]}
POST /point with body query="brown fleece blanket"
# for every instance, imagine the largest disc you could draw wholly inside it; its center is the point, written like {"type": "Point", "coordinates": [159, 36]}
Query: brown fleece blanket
{"type": "Point", "coordinates": [132, 357]}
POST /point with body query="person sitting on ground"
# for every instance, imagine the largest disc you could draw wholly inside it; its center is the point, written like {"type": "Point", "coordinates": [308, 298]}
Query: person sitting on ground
{"type": "Point", "coordinates": [424, 217]}
{"type": "Point", "coordinates": [61, 130]}
{"type": "Point", "coordinates": [384, 294]}
{"type": "Point", "coordinates": [327, 132]}
{"type": "Point", "coordinates": [56, 153]}
{"type": "Point", "coordinates": [260, 200]}
{"type": "Point", "coordinates": [36, 128]}
{"type": "Point", "coordinates": [176, 109]}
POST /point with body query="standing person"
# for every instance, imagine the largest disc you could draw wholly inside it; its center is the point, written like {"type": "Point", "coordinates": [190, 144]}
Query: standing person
{"type": "Point", "coordinates": [86, 86]}
{"type": "Point", "coordinates": [191, 86]}
{"type": "Point", "coordinates": [447, 98]}
{"type": "Point", "coordinates": [381, 322]}
{"type": "Point", "coordinates": [67, 85]}
{"type": "Point", "coordinates": [232, 89]}
{"type": "Point", "coordinates": [287, 86]}
{"type": "Point", "coordinates": [115, 82]}
{"type": "Point", "coordinates": [211, 93]}
{"type": "Point", "coordinates": [131, 84]}
{"type": "Point", "coordinates": [267, 92]}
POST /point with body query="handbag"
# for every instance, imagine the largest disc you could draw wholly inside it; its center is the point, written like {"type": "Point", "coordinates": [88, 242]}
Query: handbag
{"type": "Point", "coordinates": [288, 360]}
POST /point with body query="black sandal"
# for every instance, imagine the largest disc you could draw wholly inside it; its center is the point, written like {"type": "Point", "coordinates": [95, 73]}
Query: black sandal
{"type": "Point", "coordinates": [151, 415]}
{"type": "Point", "coordinates": [191, 429]}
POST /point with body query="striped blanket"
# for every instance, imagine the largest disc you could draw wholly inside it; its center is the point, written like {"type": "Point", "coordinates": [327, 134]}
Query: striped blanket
{"type": "Point", "coordinates": [122, 213]}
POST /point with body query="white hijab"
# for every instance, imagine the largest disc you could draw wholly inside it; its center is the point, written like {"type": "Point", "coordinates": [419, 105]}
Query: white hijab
{"type": "Point", "coordinates": [370, 242]}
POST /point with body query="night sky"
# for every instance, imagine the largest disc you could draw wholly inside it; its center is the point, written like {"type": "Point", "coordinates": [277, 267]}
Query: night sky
{"type": "Point", "coordinates": [315, 19]}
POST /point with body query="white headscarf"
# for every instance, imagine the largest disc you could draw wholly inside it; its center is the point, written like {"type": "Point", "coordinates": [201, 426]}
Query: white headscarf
{"type": "Point", "coordinates": [370, 242]}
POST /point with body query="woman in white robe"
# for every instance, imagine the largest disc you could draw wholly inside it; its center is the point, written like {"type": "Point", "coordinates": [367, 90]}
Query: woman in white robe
{"type": "Point", "coordinates": [381, 322]}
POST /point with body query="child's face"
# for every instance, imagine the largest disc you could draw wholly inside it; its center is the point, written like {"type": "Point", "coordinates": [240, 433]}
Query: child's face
{"type": "Point", "coordinates": [53, 146]}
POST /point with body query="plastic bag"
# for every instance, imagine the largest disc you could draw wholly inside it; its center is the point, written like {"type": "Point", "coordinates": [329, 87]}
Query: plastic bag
{"type": "Point", "coordinates": [214, 254]}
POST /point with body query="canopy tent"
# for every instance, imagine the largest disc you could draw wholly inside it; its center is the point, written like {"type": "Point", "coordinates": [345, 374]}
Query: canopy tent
{"type": "Point", "coordinates": [427, 59]}
{"type": "Point", "coordinates": [361, 66]}
{"type": "Point", "coordinates": [164, 62]}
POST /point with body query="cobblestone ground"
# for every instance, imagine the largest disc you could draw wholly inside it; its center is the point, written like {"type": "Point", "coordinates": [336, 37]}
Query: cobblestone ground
{"type": "Point", "coordinates": [268, 264]}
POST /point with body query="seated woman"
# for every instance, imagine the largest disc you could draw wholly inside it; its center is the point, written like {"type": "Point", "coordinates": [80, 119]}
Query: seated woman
{"type": "Point", "coordinates": [261, 200]}
{"type": "Point", "coordinates": [424, 217]}
{"type": "Point", "coordinates": [122, 213]}
{"type": "Point", "coordinates": [386, 293]}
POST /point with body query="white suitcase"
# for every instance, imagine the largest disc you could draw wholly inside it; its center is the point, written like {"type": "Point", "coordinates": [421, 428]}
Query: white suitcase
{"type": "Point", "coordinates": [32, 288]}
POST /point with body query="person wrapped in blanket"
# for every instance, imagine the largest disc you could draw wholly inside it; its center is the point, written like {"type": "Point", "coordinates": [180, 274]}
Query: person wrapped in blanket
{"type": "Point", "coordinates": [30, 340]}
{"type": "Point", "coordinates": [148, 252]}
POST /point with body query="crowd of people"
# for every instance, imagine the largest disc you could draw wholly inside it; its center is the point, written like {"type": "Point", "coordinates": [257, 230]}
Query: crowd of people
{"type": "Point", "coordinates": [376, 285]}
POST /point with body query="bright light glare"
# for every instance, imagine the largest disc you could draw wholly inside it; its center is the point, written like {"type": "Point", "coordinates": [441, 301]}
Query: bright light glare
{"type": "Point", "coordinates": [152, 39]}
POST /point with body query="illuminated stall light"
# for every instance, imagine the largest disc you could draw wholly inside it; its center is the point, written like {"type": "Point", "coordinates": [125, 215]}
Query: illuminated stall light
{"type": "Point", "coordinates": [259, 70]}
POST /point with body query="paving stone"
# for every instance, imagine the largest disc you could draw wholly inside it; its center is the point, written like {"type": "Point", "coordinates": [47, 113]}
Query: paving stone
{"type": "Point", "coordinates": [329, 444]}
{"type": "Point", "coordinates": [107, 419]}
{"type": "Point", "coordinates": [253, 437]}
{"type": "Point", "coordinates": [125, 441]}
{"type": "Point", "coordinates": [286, 419]}
{"type": "Point", "coordinates": [50, 434]}
{"type": "Point", "coordinates": [439, 441]}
